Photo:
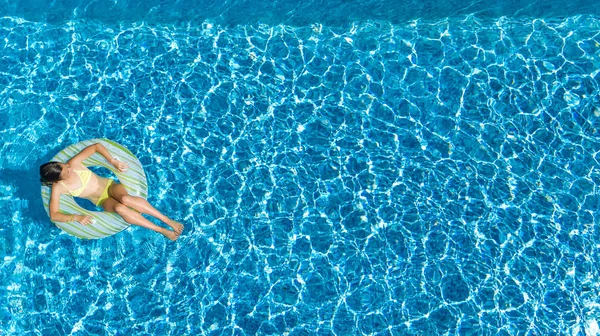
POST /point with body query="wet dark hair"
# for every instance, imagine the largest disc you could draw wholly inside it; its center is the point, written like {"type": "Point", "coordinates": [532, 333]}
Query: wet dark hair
{"type": "Point", "coordinates": [50, 173]}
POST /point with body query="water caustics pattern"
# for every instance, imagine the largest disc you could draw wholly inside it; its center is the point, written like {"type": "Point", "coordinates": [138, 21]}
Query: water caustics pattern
{"type": "Point", "coordinates": [434, 177]}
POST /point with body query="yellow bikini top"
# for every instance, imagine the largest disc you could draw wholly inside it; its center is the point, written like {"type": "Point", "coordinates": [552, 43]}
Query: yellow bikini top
{"type": "Point", "coordinates": [84, 176]}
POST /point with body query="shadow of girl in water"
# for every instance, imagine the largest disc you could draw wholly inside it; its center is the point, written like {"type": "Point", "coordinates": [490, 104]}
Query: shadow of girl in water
{"type": "Point", "coordinates": [22, 203]}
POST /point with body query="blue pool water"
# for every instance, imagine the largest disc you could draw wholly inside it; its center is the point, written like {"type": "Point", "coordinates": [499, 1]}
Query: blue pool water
{"type": "Point", "coordinates": [364, 173]}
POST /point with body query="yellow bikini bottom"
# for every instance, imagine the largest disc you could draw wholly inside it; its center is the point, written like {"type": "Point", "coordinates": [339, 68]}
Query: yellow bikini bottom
{"type": "Point", "coordinates": [105, 194]}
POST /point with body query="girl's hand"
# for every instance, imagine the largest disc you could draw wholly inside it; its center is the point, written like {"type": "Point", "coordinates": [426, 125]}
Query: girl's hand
{"type": "Point", "coordinates": [121, 166]}
{"type": "Point", "coordinates": [84, 220]}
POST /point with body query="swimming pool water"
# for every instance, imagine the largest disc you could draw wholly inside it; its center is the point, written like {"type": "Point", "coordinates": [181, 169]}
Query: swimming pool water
{"type": "Point", "coordinates": [419, 178]}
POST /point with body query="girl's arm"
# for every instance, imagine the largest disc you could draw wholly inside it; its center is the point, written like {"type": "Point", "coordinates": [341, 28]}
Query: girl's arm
{"type": "Point", "coordinates": [87, 152]}
{"type": "Point", "coordinates": [54, 206]}
{"type": "Point", "coordinates": [121, 166]}
{"type": "Point", "coordinates": [56, 216]}
{"type": "Point", "coordinates": [102, 150]}
{"type": "Point", "coordinates": [97, 148]}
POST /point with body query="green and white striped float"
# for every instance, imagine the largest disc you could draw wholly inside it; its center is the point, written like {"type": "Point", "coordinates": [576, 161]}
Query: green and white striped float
{"type": "Point", "coordinates": [105, 224]}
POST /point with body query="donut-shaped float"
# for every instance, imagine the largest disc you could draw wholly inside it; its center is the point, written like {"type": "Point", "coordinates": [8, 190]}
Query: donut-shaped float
{"type": "Point", "coordinates": [105, 224]}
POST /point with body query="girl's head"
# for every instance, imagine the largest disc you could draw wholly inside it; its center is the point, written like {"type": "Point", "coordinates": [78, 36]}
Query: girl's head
{"type": "Point", "coordinates": [53, 172]}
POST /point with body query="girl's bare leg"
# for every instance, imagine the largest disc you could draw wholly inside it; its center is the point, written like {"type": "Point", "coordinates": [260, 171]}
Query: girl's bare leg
{"type": "Point", "coordinates": [120, 194]}
{"type": "Point", "coordinates": [132, 217]}
{"type": "Point", "coordinates": [144, 206]}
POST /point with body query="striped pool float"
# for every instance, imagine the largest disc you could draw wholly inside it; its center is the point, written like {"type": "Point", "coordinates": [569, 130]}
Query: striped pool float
{"type": "Point", "coordinates": [105, 224]}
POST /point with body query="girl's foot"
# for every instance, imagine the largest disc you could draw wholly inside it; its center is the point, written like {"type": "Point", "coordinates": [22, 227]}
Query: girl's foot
{"type": "Point", "coordinates": [176, 226]}
{"type": "Point", "coordinates": [172, 235]}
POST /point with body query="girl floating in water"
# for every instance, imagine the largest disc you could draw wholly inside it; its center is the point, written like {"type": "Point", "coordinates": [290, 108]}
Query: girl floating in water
{"type": "Point", "coordinates": [75, 179]}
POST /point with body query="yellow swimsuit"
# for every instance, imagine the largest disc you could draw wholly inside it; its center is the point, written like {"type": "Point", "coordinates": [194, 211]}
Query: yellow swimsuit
{"type": "Point", "coordinates": [85, 176]}
{"type": "Point", "coordinates": [105, 195]}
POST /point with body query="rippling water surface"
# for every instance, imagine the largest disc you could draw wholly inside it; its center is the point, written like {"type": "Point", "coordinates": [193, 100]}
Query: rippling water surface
{"type": "Point", "coordinates": [426, 177]}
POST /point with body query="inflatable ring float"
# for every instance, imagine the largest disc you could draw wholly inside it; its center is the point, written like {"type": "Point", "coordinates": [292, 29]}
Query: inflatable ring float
{"type": "Point", "coordinates": [105, 224]}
